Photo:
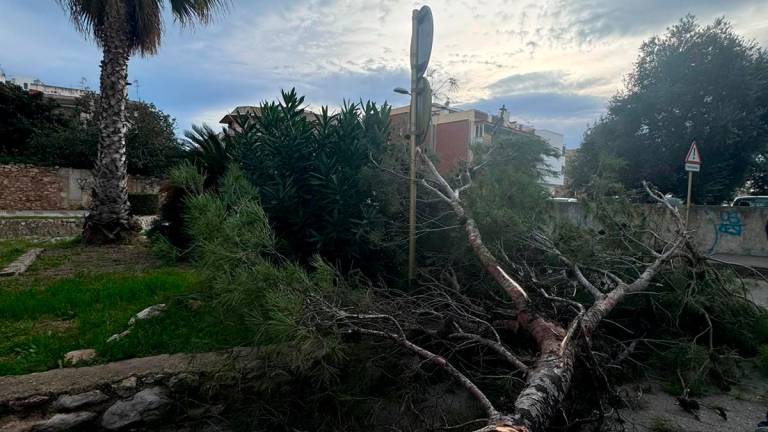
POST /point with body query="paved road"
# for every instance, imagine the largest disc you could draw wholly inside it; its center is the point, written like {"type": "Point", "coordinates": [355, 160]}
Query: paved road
{"type": "Point", "coordinates": [757, 262]}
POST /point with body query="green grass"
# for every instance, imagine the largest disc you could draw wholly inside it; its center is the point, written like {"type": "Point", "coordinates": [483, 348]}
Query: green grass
{"type": "Point", "coordinates": [12, 249]}
{"type": "Point", "coordinates": [39, 325]}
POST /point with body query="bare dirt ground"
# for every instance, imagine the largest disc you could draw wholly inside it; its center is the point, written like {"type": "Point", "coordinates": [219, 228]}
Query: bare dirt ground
{"type": "Point", "coordinates": [758, 290]}
{"type": "Point", "coordinates": [745, 406]}
{"type": "Point", "coordinates": [81, 259]}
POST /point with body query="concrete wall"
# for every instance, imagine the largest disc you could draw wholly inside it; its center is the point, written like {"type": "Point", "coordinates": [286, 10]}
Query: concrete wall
{"type": "Point", "coordinates": [730, 230]}
{"type": "Point", "coordinates": [716, 229]}
{"type": "Point", "coordinates": [29, 187]}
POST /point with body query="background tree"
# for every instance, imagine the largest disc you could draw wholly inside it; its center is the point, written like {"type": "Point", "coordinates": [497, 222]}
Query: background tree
{"type": "Point", "coordinates": [757, 181]}
{"type": "Point", "coordinates": [151, 144]}
{"type": "Point", "coordinates": [695, 82]}
{"type": "Point", "coordinates": [506, 198]}
{"type": "Point", "coordinates": [121, 28]}
{"type": "Point", "coordinates": [21, 114]}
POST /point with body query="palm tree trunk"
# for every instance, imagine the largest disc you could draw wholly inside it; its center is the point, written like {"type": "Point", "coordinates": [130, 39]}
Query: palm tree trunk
{"type": "Point", "coordinates": [109, 220]}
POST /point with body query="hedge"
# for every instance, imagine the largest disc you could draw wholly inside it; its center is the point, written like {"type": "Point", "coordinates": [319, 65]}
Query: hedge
{"type": "Point", "coordinates": [144, 204]}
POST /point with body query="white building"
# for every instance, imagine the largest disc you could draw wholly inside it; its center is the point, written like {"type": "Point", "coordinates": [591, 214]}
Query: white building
{"type": "Point", "coordinates": [453, 133]}
{"type": "Point", "coordinates": [554, 163]}
{"type": "Point", "coordinates": [65, 96]}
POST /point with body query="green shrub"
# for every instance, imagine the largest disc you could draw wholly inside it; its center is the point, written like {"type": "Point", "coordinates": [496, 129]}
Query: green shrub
{"type": "Point", "coordinates": [762, 359]}
{"type": "Point", "coordinates": [689, 360]}
{"type": "Point", "coordinates": [234, 248]}
{"type": "Point", "coordinates": [314, 179]}
{"type": "Point", "coordinates": [183, 180]}
{"type": "Point", "coordinates": [163, 249]}
{"type": "Point", "coordinates": [144, 204]}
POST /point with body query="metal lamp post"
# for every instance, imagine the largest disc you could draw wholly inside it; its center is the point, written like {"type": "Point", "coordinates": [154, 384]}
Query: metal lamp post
{"type": "Point", "coordinates": [420, 112]}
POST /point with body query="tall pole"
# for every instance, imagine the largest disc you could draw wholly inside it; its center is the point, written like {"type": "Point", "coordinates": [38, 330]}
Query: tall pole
{"type": "Point", "coordinates": [688, 200]}
{"type": "Point", "coordinates": [413, 132]}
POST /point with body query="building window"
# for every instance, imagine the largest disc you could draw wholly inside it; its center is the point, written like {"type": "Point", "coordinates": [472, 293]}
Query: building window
{"type": "Point", "coordinates": [478, 130]}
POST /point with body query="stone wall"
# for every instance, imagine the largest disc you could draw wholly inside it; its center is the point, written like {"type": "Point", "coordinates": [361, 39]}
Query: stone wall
{"type": "Point", "coordinates": [11, 228]}
{"type": "Point", "coordinates": [715, 229]}
{"type": "Point", "coordinates": [53, 227]}
{"type": "Point", "coordinates": [29, 187]}
{"type": "Point", "coordinates": [137, 394]}
{"type": "Point", "coordinates": [239, 389]}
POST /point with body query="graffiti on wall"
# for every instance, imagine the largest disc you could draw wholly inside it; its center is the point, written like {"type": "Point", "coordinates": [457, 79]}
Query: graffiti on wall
{"type": "Point", "coordinates": [730, 225]}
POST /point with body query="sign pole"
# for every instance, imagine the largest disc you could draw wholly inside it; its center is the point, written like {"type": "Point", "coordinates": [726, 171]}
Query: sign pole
{"type": "Point", "coordinates": [422, 29]}
{"type": "Point", "coordinates": [692, 164]}
{"type": "Point", "coordinates": [412, 210]}
{"type": "Point", "coordinates": [688, 201]}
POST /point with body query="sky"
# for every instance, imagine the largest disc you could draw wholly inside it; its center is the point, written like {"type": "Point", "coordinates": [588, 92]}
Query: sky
{"type": "Point", "coordinates": [553, 63]}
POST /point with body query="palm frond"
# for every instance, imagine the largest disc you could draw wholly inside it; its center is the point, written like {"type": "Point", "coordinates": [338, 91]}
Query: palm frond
{"type": "Point", "coordinates": [144, 18]}
{"type": "Point", "coordinates": [86, 15]}
{"type": "Point", "coordinates": [187, 12]}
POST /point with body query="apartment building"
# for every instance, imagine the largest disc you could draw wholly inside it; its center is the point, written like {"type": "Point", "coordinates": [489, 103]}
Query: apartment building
{"type": "Point", "coordinates": [454, 132]}
{"type": "Point", "coordinates": [66, 97]}
{"type": "Point", "coordinates": [230, 119]}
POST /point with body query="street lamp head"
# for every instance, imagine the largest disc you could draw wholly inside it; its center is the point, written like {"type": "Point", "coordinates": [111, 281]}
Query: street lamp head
{"type": "Point", "coordinates": [401, 91]}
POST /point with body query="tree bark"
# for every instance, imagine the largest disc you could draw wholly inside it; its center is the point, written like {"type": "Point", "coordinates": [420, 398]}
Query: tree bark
{"type": "Point", "coordinates": [109, 219]}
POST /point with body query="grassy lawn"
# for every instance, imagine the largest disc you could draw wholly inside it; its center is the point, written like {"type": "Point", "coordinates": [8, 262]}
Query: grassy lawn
{"type": "Point", "coordinates": [12, 249]}
{"type": "Point", "coordinates": [38, 326]}
{"type": "Point", "coordinates": [42, 316]}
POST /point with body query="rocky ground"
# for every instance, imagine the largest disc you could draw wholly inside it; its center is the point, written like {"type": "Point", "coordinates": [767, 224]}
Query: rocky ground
{"type": "Point", "coordinates": [172, 391]}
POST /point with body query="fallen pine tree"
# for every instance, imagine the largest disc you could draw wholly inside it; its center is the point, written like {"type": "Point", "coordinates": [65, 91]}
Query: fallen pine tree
{"type": "Point", "coordinates": [520, 345]}
{"type": "Point", "coordinates": [560, 325]}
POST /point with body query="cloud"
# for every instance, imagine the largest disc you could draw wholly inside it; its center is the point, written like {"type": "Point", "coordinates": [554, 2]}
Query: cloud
{"type": "Point", "coordinates": [567, 113]}
{"type": "Point", "coordinates": [597, 19]}
{"type": "Point", "coordinates": [327, 90]}
{"type": "Point", "coordinates": [541, 81]}
{"type": "Point", "coordinates": [554, 63]}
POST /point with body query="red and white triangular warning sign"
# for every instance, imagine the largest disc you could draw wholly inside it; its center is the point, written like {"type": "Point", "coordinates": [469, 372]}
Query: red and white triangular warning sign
{"type": "Point", "coordinates": [693, 160]}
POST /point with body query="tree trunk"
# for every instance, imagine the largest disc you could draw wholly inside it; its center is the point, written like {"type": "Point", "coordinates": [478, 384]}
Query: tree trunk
{"type": "Point", "coordinates": [109, 219]}
{"type": "Point", "coordinates": [549, 380]}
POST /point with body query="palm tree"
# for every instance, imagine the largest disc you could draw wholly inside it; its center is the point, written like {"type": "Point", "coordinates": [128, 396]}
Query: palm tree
{"type": "Point", "coordinates": [122, 28]}
{"type": "Point", "coordinates": [209, 150]}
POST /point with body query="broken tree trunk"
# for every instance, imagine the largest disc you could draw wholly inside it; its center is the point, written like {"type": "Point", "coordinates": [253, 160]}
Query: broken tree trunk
{"type": "Point", "coordinates": [548, 381]}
